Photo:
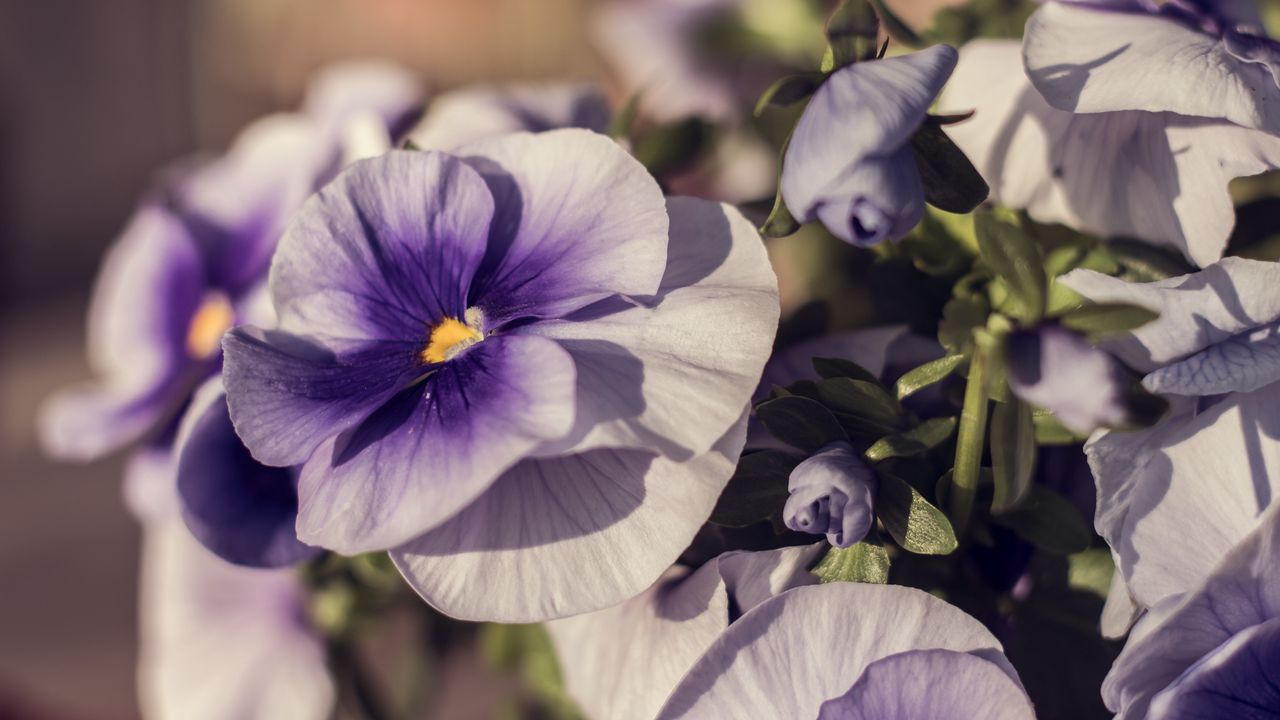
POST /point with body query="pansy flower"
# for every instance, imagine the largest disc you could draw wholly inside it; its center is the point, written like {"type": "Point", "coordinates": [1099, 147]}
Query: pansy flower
{"type": "Point", "coordinates": [849, 163]}
{"type": "Point", "coordinates": [188, 264]}
{"type": "Point", "coordinates": [511, 362]}
{"type": "Point", "coordinates": [1158, 176]}
{"type": "Point", "coordinates": [1058, 370]}
{"type": "Point", "coordinates": [832, 493]}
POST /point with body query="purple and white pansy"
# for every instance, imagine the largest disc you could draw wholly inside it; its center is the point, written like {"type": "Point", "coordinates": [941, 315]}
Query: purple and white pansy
{"type": "Point", "coordinates": [486, 359]}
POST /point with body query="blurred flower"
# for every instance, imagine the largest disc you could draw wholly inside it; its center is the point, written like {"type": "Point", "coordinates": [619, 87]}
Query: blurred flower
{"type": "Point", "coordinates": [844, 650]}
{"type": "Point", "coordinates": [478, 113]}
{"type": "Point", "coordinates": [1212, 651]}
{"type": "Point", "coordinates": [218, 641]}
{"type": "Point", "coordinates": [1056, 369]}
{"type": "Point", "coordinates": [1161, 177]}
{"type": "Point", "coordinates": [849, 162]}
{"type": "Point", "coordinates": [484, 365]}
{"type": "Point", "coordinates": [187, 266]}
{"type": "Point", "coordinates": [833, 493]}
{"type": "Point", "coordinates": [622, 662]}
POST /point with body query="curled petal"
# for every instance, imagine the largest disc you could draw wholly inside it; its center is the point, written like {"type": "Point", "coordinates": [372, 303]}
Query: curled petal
{"type": "Point", "coordinates": [833, 494]}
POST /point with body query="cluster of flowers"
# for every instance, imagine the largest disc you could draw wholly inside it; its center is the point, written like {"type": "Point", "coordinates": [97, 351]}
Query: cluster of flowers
{"type": "Point", "coordinates": [489, 343]}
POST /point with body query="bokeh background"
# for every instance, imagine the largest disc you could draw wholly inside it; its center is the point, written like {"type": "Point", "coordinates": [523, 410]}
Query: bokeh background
{"type": "Point", "coordinates": [94, 96]}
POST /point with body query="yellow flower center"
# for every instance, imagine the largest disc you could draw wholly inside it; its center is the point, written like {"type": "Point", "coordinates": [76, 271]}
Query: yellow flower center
{"type": "Point", "coordinates": [451, 336]}
{"type": "Point", "coordinates": [213, 318]}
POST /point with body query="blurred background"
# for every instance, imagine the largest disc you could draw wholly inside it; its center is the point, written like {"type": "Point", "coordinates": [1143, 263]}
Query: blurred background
{"type": "Point", "coordinates": [95, 97]}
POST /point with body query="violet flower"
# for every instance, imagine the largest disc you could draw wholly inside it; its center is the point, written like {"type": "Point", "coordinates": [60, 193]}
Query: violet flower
{"type": "Point", "coordinates": [849, 162]}
{"type": "Point", "coordinates": [852, 650]}
{"type": "Point", "coordinates": [623, 662]}
{"type": "Point", "coordinates": [187, 266]}
{"type": "Point", "coordinates": [1055, 369]}
{"type": "Point", "coordinates": [833, 493]}
{"type": "Point", "coordinates": [1160, 176]}
{"type": "Point", "coordinates": [483, 362]}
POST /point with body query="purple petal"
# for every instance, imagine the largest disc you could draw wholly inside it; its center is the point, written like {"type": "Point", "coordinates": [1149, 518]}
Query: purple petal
{"type": "Point", "coordinates": [437, 445]}
{"type": "Point", "coordinates": [1240, 593]}
{"type": "Point", "coordinates": [220, 641]}
{"type": "Point", "coordinates": [287, 396]}
{"type": "Point", "coordinates": [793, 652]}
{"type": "Point", "coordinates": [709, 327]}
{"type": "Point", "coordinates": [849, 162]}
{"type": "Point", "coordinates": [146, 295]}
{"type": "Point", "coordinates": [931, 683]}
{"type": "Point", "coordinates": [1158, 177]}
{"type": "Point", "coordinates": [1241, 679]}
{"type": "Point", "coordinates": [1241, 363]}
{"type": "Point", "coordinates": [1087, 61]}
{"type": "Point", "coordinates": [341, 92]}
{"type": "Point", "coordinates": [577, 220]}
{"type": "Point", "coordinates": [477, 113]}
{"type": "Point", "coordinates": [623, 661]}
{"type": "Point", "coordinates": [241, 510]}
{"type": "Point", "coordinates": [832, 493]}
{"type": "Point", "coordinates": [1058, 370]}
{"type": "Point", "coordinates": [548, 534]}
{"type": "Point", "coordinates": [384, 252]}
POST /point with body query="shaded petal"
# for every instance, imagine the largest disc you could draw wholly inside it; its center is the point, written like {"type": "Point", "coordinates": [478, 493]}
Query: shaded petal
{"type": "Point", "coordinates": [287, 396]}
{"type": "Point", "coordinates": [548, 534]}
{"type": "Point", "coordinates": [696, 351]}
{"type": "Point", "coordinates": [1056, 369]}
{"type": "Point", "coordinates": [577, 220]}
{"type": "Point", "coordinates": [1242, 591]}
{"type": "Point", "coordinates": [876, 200]}
{"type": "Point", "coordinates": [384, 252]}
{"type": "Point", "coordinates": [219, 641]}
{"type": "Point", "coordinates": [476, 113]}
{"type": "Point", "coordinates": [1241, 363]}
{"type": "Point", "coordinates": [1088, 61]}
{"type": "Point", "coordinates": [1241, 679]}
{"type": "Point", "coordinates": [150, 286]}
{"type": "Point", "coordinates": [1158, 177]}
{"type": "Point", "coordinates": [1120, 611]}
{"type": "Point", "coordinates": [795, 651]}
{"type": "Point", "coordinates": [623, 661]}
{"type": "Point", "coordinates": [239, 509]}
{"type": "Point", "coordinates": [1198, 310]}
{"type": "Point", "coordinates": [925, 683]}
{"type": "Point", "coordinates": [340, 92]}
{"type": "Point", "coordinates": [852, 135]}
{"type": "Point", "coordinates": [436, 446]}
{"type": "Point", "coordinates": [1215, 472]}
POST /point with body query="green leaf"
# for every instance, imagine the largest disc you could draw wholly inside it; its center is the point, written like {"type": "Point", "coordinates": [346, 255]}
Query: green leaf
{"type": "Point", "coordinates": [1013, 452]}
{"type": "Point", "coordinates": [673, 147]}
{"type": "Point", "coordinates": [897, 29]}
{"type": "Point", "coordinates": [757, 489]}
{"type": "Point", "coordinates": [934, 371]}
{"type": "Point", "coordinates": [852, 32]}
{"type": "Point", "coordinates": [409, 144]}
{"type": "Point", "coordinates": [621, 126]}
{"type": "Point", "coordinates": [1105, 318]}
{"type": "Point", "coordinates": [971, 436]}
{"type": "Point", "coordinates": [1051, 432]}
{"type": "Point", "coordinates": [780, 222]}
{"type": "Point", "coordinates": [840, 368]}
{"type": "Point", "coordinates": [1091, 571]}
{"type": "Point", "coordinates": [789, 91]}
{"type": "Point", "coordinates": [960, 316]}
{"type": "Point", "coordinates": [951, 183]}
{"type": "Point", "coordinates": [925, 436]}
{"type": "Point", "coordinates": [800, 421]}
{"type": "Point", "coordinates": [863, 562]}
{"type": "Point", "coordinates": [862, 407]}
{"type": "Point", "coordinates": [1048, 521]}
{"type": "Point", "coordinates": [912, 521]}
{"type": "Point", "coordinates": [1013, 255]}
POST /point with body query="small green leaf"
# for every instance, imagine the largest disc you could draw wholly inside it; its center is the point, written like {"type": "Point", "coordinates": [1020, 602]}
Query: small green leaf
{"type": "Point", "coordinates": [673, 147]}
{"type": "Point", "coordinates": [960, 317]}
{"type": "Point", "coordinates": [971, 434]}
{"type": "Point", "coordinates": [1091, 571]}
{"type": "Point", "coordinates": [409, 144]}
{"type": "Point", "coordinates": [951, 183]}
{"type": "Point", "coordinates": [789, 91]}
{"type": "Point", "coordinates": [757, 489]}
{"type": "Point", "coordinates": [934, 371]}
{"type": "Point", "coordinates": [852, 32]}
{"type": "Point", "coordinates": [780, 222]}
{"type": "Point", "coordinates": [1015, 256]}
{"type": "Point", "coordinates": [1048, 521]}
{"type": "Point", "coordinates": [925, 436]}
{"type": "Point", "coordinates": [621, 126]}
{"type": "Point", "coordinates": [1105, 318]}
{"type": "Point", "coordinates": [863, 562]}
{"type": "Point", "coordinates": [897, 29]}
{"type": "Point", "coordinates": [1013, 452]}
{"type": "Point", "coordinates": [915, 524]}
{"type": "Point", "coordinates": [862, 407]}
{"type": "Point", "coordinates": [800, 421]}
{"type": "Point", "coordinates": [1051, 432]}
{"type": "Point", "coordinates": [840, 368]}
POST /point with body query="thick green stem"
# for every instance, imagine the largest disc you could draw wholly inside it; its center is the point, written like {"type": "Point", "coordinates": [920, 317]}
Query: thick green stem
{"type": "Point", "coordinates": [971, 435]}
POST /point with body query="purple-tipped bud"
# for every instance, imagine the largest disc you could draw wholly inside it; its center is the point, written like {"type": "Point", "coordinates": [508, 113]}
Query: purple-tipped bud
{"type": "Point", "coordinates": [832, 494]}
{"type": "Point", "coordinates": [1058, 370]}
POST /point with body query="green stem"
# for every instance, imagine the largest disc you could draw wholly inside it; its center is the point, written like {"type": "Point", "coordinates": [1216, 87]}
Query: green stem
{"type": "Point", "coordinates": [971, 435]}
